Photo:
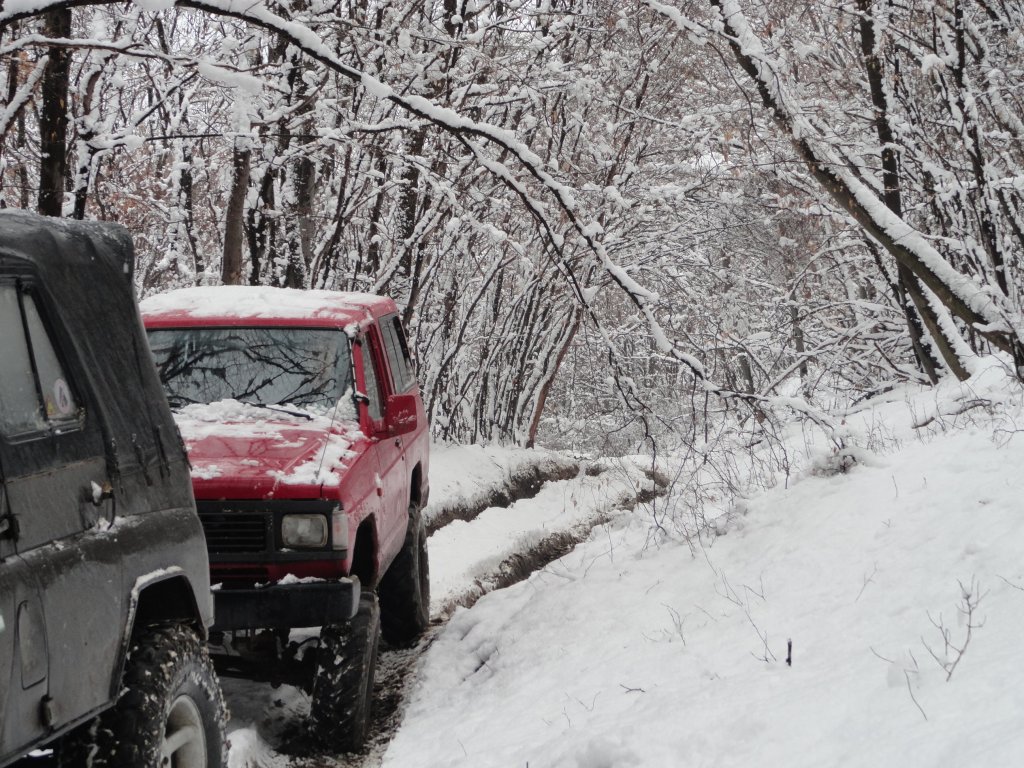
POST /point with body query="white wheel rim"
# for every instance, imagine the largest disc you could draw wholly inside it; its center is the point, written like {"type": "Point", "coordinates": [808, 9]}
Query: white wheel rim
{"type": "Point", "coordinates": [184, 742]}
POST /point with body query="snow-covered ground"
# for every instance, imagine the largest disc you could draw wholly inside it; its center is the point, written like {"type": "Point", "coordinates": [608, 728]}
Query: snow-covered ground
{"type": "Point", "coordinates": [899, 583]}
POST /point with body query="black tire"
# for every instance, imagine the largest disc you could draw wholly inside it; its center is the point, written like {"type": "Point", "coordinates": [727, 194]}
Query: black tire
{"type": "Point", "coordinates": [342, 700]}
{"type": "Point", "coordinates": [170, 713]}
{"type": "Point", "coordinates": [405, 587]}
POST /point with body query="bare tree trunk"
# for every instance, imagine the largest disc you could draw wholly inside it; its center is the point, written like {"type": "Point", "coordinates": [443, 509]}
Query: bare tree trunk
{"type": "Point", "coordinates": [545, 387]}
{"type": "Point", "coordinates": [261, 230]}
{"type": "Point", "coordinates": [916, 309]}
{"type": "Point", "coordinates": [187, 202]}
{"type": "Point", "coordinates": [86, 134]}
{"type": "Point", "coordinates": [972, 142]}
{"type": "Point", "coordinates": [53, 117]}
{"type": "Point", "coordinates": [15, 76]}
{"type": "Point", "coordinates": [301, 257]}
{"type": "Point", "coordinates": [231, 268]}
{"type": "Point", "coordinates": [409, 266]}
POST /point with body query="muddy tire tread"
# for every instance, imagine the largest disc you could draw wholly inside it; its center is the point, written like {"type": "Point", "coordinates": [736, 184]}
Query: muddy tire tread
{"type": "Point", "coordinates": [342, 698]}
{"type": "Point", "coordinates": [405, 587]}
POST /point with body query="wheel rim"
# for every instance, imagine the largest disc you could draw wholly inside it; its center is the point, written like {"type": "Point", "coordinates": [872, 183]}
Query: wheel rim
{"type": "Point", "coordinates": [184, 742]}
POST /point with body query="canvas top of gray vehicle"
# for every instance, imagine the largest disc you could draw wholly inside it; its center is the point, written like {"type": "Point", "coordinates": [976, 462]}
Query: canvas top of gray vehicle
{"type": "Point", "coordinates": [104, 586]}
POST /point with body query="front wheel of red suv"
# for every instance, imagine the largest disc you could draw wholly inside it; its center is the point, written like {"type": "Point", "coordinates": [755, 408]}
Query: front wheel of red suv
{"type": "Point", "coordinates": [405, 587]}
{"type": "Point", "coordinates": [346, 661]}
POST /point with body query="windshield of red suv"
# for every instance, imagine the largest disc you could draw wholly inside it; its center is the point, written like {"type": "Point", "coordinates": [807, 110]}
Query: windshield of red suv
{"type": "Point", "coordinates": [309, 368]}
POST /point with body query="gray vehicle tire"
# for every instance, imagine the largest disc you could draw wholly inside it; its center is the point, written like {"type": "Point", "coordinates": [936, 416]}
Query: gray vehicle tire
{"type": "Point", "coordinates": [405, 587]}
{"type": "Point", "coordinates": [170, 711]}
{"type": "Point", "coordinates": [342, 699]}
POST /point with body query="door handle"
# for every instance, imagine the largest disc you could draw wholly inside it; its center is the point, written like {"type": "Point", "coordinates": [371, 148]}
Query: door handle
{"type": "Point", "coordinates": [398, 442]}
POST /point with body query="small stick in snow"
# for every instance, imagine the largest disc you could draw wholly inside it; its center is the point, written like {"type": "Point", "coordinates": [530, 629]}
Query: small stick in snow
{"type": "Point", "coordinates": [1010, 583]}
{"type": "Point", "coordinates": [880, 655]}
{"type": "Point", "coordinates": [867, 580]}
{"type": "Point", "coordinates": [910, 689]}
{"type": "Point", "coordinates": [789, 652]}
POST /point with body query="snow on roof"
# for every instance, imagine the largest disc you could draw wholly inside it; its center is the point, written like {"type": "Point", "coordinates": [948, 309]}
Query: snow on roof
{"type": "Point", "coordinates": [245, 302]}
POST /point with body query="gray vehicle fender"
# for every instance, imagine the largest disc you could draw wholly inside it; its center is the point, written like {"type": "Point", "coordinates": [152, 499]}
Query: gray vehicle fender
{"type": "Point", "coordinates": [177, 603]}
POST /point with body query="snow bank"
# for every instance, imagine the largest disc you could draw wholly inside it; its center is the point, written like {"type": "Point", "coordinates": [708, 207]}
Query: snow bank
{"type": "Point", "coordinates": [633, 651]}
{"type": "Point", "coordinates": [464, 554]}
{"type": "Point", "coordinates": [470, 476]}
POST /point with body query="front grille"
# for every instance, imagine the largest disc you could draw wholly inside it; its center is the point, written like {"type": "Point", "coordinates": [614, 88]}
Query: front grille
{"type": "Point", "coordinates": [236, 533]}
{"type": "Point", "coordinates": [246, 532]}
{"type": "Point", "coordinates": [229, 577]}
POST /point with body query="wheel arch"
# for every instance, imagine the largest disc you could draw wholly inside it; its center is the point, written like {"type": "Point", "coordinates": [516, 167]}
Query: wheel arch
{"type": "Point", "coordinates": [416, 485]}
{"type": "Point", "coordinates": [365, 560]}
{"type": "Point", "coordinates": [162, 597]}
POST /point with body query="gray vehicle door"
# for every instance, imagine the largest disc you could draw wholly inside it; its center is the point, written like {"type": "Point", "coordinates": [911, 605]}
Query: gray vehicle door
{"type": "Point", "coordinates": [23, 658]}
{"type": "Point", "coordinates": [23, 667]}
{"type": "Point", "coordinates": [58, 490]}
{"type": "Point", "coordinates": [11, 568]}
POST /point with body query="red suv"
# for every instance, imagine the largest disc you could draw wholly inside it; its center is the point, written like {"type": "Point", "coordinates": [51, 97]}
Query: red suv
{"type": "Point", "coordinates": [308, 443]}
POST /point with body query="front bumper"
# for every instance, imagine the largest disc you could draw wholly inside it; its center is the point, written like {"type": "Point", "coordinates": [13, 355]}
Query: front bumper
{"type": "Point", "coordinates": [285, 606]}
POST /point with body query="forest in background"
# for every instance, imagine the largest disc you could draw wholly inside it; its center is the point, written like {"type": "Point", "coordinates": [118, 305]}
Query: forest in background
{"type": "Point", "coordinates": [609, 225]}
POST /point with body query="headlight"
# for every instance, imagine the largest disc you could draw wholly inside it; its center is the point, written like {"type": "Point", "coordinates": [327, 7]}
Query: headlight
{"type": "Point", "coordinates": [304, 531]}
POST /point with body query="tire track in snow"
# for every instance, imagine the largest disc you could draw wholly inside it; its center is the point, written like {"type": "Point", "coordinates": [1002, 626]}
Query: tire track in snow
{"type": "Point", "coordinates": [522, 481]}
{"type": "Point", "coordinates": [508, 544]}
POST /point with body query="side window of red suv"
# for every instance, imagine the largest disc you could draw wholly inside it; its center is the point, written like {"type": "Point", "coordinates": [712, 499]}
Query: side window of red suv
{"type": "Point", "coordinates": [398, 353]}
{"type": "Point", "coordinates": [372, 380]}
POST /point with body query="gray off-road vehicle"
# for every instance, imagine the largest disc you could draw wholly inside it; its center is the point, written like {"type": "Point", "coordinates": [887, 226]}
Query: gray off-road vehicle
{"type": "Point", "coordinates": [104, 585]}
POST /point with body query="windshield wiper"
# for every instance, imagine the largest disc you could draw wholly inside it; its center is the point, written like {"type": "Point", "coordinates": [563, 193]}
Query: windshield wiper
{"type": "Point", "coordinates": [177, 402]}
{"type": "Point", "coordinates": [279, 409]}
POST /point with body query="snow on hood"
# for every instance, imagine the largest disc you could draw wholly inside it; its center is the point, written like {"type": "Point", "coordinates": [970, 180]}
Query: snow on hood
{"type": "Point", "coordinates": [258, 449]}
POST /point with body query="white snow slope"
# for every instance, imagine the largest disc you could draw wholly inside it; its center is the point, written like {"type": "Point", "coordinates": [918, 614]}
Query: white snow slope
{"type": "Point", "coordinates": [636, 650]}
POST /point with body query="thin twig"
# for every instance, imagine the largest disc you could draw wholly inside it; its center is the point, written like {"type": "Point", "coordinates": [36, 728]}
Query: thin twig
{"type": "Point", "coordinates": [867, 580]}
{"type": "Point", "coordinates": [890, 661]}
{"type": "Point", "coordinates": [627, 689]}
{"type": "Point", "coordinates": [910, 690]}
{"type": "Point", "coordinates": [1010, 583]}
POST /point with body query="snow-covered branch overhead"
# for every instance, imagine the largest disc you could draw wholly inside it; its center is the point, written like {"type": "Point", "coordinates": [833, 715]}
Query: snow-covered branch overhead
{"type": "Point", "coordinates": [982, 309]}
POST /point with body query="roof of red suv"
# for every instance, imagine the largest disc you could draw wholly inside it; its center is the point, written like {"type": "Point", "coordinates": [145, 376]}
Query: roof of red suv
{"type": "Point", "coordinates": [261, 305]}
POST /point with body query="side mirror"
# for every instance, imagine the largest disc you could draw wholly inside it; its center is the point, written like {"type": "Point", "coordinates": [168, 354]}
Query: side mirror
{"type": "Point", "coordinates": [400, 415]}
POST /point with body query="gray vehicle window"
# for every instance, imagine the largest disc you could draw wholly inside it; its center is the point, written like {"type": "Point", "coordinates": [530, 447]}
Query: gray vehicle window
{"type": "Point", "coordinates": [20, 406]}
{"type": "Point", "coordinates": [58, 401]}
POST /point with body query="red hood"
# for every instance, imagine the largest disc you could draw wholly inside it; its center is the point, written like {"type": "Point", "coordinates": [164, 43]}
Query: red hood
{"type": "Point", "coordinates": [247, 452]}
